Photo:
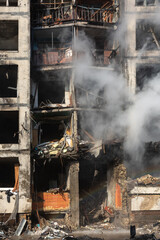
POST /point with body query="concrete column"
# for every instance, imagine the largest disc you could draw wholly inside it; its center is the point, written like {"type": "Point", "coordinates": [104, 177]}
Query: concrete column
{"type": "Point", "coordinates": [111, 183]}
{"type": "Point", "coordinates": [74, 194]}
{"type": "Point", "coordinates": [25, 202]}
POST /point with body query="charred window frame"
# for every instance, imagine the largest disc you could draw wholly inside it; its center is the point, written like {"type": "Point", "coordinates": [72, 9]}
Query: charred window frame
{"type": "Point", "coordinates": [54, 88]}
{"type": "Point", "coordinates": [51, 130]}
{"type": "Point", "coordinates": [8, 173]}
{"type": "Point", "coordinates": [8, 35]}
{"type": "Point", "coordinates": [145, 73]}
{"type": "Point", "coordinates": [54, 175]}
{"type": "Point", "coordinates": [147, 35]}
{"type": "Point", "coordinates": [9, 127]}
{"type": "Point", "coordinates": [51, 92]}
{"type": "Point", "coordinates": [8, 79]}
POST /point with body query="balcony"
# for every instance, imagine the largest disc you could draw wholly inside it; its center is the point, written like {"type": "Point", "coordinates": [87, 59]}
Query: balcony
{"type": "Point", "coordinates": [53, 57]}
{"type": "Point", "coordinates": [43, 15]}
{"type": "Point", "coordinates": [65, 56]}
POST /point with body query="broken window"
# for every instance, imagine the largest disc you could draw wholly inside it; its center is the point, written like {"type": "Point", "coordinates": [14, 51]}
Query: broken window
{"type": "Point", "coordinates": [8, 35]}
{"type": "Point", "coordinates": [9, 123]}
{"type": "Point", "coordinates": [54, 175]}
{"type": "Point", "coordinates": [51, 92]}
{"type": "Point", "coordinates": [53, 88]}
{"type": "Point", "coordinates": [147, 36]}
{"type": "Point", "coordinates": [9, 169]}
{"type": "Point", "coordinates": [51, 131]}
{"type": "Point", "coordinates": [9, 3]}
{"type": "Point", "coordinates": [145, 73]}
{"type": "Point", "coordinates": [90, 94]}
{"type": "Point", "coordinates": [55, 137]}
{"type": "Point", "coordinates": [8, 79]}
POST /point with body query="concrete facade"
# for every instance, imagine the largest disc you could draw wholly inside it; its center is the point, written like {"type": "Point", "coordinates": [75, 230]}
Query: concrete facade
{"type": "Point", "coordinates": [20, 14]}
{"type": "Point", "coordinates": [132, 13]}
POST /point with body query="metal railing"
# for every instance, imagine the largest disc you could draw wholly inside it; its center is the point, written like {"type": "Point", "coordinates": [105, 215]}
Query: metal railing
{"type": "Point", "coordinates": [64, 56]}
{"type": "Point", "coordinates": [52, 57]}
{"type": "Point", "coordinates": [52, 16]}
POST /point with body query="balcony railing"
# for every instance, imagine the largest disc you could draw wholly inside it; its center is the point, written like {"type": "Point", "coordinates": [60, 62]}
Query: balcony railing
{"type": "Point", "coordinates": [51, 16]}
{"type": "Point", "coordinates": [53, 57]}
{"type": "Point", "coordinates": [64, 56]}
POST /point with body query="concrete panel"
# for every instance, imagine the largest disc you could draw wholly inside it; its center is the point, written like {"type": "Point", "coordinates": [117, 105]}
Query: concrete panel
{"type": "Point", "coordinates": [145, 202]}
{"type": "Point", "coordinates": [6, 207]}
{"type": "Point", "coordinates": [145, 190]}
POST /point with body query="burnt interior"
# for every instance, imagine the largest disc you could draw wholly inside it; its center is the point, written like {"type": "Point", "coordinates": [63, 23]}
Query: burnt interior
{"type": "Point", "coordinates": [51, 92]}
{"type": "Point", "coordinates": [9, 35]}
{"type": "Point", "coordinates": [8, 78]}
{"type": "Point", "coordinates": [9, 126]}
{"type": "Point", "coordinates": [145, 73]}
{"type": "Point", "coordinates": [51, 88]}
{"type": "Point", "coordinates": [53, 39]}
{"type": "Point", "coordinates": [89, 94]}
{"type": "Point", "coordinates": [50, 174]}
{"type": "Point", "coordinates": [7, 172]}
{"type": "Point", "coordinates": [147, 35]}
{"type": "Point", "coordinates": [93, 181]}
{"type": "Point", "coordinates": [92, 188]}
{"type": "Point", "coordinates": [148, 164]}
{"type": "Point", "coordinates": [51, 130]}
{"type": "Point", "coordinates": [97, 131]}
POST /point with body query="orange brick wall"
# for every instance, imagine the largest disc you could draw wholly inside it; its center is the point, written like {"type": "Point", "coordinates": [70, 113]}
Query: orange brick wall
{"type": "Point", "coordinates": [51, 202]}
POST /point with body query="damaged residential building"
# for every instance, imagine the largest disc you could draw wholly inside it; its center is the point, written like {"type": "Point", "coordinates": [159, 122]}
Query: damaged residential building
{"type": "Point", "coordinates": [15, 108]}
{"type": "Point", "coordinates": [60, 102]}
{"type": "Point", "coordinates": [54, 161]}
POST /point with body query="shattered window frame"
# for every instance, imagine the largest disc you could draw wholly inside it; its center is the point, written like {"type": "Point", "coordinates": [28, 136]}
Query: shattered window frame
{"type": "Point", "coordinates": [147, 35]}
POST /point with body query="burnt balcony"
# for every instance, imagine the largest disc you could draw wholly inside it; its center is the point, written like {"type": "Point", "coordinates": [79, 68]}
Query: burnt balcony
{"type": "Point", "coordinates": [43, 15]}
{"type": "Point", "coordinates": [52, 57]}
{"type": "Point", "coordinates": [65, 56]}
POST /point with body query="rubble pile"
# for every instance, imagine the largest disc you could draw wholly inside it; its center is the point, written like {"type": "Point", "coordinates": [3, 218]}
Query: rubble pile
{"type": "Point", "coordinates": [54, 148]}
{"type": "Point", "coordinates": [51, 233]}
{"type": "Point", "coordinates": [93, 210]}
{"type": "Point", "coordinates": [6, 232]}
{"type": "Point", "coordinates": [147, 180]}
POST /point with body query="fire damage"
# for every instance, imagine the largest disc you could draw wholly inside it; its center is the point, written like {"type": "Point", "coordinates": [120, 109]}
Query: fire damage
{"type": "Point", "coordinates": [61, 165]}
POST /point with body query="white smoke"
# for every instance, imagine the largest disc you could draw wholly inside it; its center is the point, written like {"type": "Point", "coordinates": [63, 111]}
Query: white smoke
{"type": "Point", "coordinates": [135, 118]}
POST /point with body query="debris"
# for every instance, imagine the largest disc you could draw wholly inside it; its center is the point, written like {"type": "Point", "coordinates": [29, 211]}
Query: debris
{"type": "Point", "coordinates": [147, 179]}
{"type": "Point", "coordinates": [2, 235]}
{"type": "Point", "coordinates": [55, 148]}
{"type": "Point", "coordinates": [20, 227]}
{"type": "Point", "coordinates": [51, 233]}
